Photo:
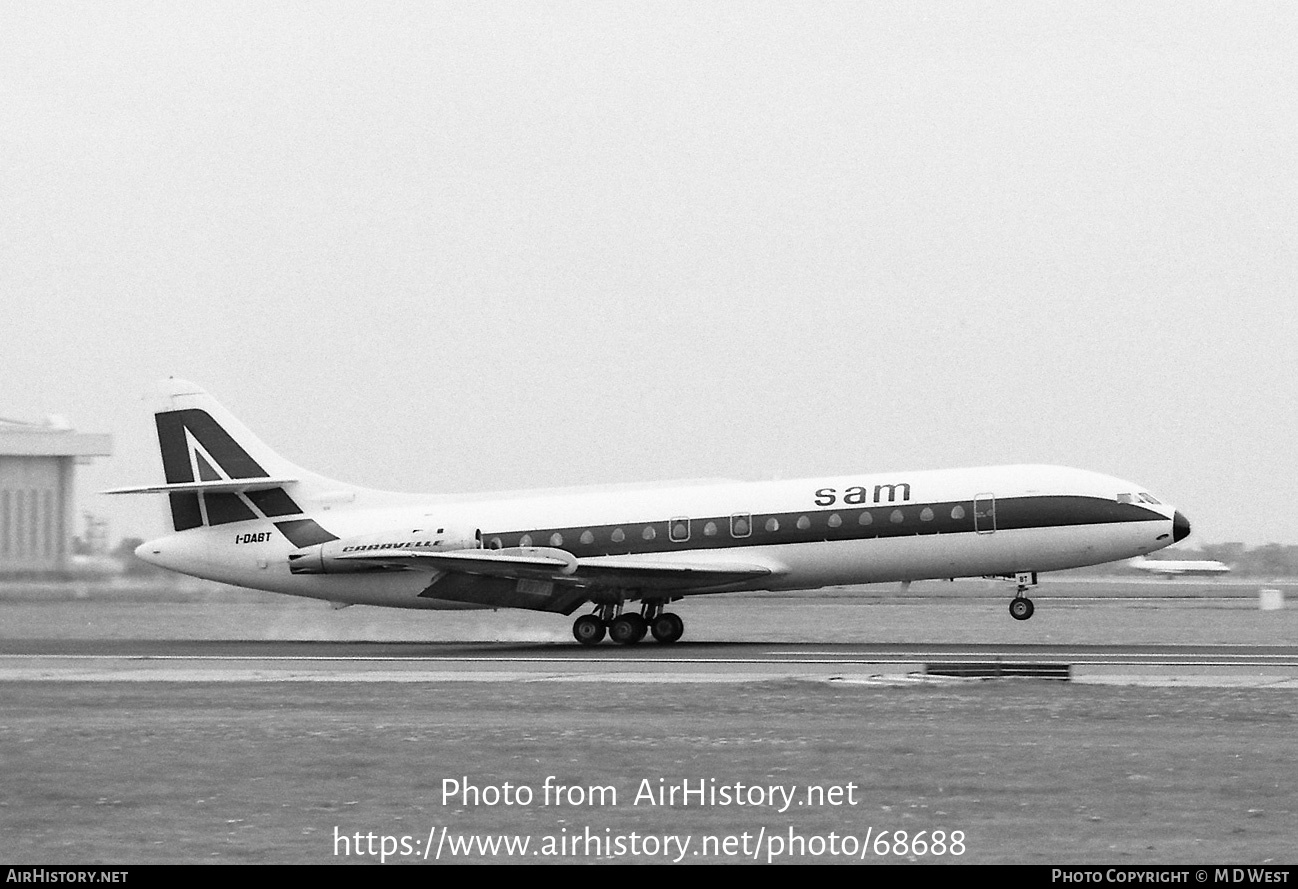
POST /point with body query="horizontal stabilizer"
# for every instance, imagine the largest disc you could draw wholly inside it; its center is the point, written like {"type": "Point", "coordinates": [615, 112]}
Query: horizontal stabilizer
{"type": "Point", "coordinates": [220, 486]}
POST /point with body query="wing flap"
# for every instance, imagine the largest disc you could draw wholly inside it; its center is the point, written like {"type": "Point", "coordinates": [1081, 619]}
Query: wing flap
{"type": "Point", "coordinates": [561, 567]}
{"type": "Point", "coordinates": [530, 563]}
{"type": "Point", "coordinates": [668, 576]}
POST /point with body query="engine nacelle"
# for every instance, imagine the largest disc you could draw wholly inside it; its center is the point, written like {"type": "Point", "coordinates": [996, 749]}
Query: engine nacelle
{"type": "Point", "coordinates": [323, 558]}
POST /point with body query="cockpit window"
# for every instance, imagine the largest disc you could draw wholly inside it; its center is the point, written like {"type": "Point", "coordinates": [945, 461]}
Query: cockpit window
{"type": "Point", "coordinates": [1146, 497]}
{"type": "Point", "coordinates": [1126, 498]}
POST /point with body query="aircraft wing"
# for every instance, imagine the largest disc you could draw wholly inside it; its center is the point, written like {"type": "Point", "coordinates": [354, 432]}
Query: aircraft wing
{"type": "Point", "coordinates": [667, 576]}
{"type": "Point", "coordinates": [533, 563]}
{"type": "Point", "coordinates": [562, 568]}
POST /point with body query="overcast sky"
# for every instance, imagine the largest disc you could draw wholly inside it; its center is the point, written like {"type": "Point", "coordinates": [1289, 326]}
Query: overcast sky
{"type": "Point", "coordinates": [472, 246]}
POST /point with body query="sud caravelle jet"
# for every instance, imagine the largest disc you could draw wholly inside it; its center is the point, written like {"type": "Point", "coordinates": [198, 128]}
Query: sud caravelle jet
{"type": "Point", "coordinates": [1170, 568]}
{"type": "Point", "coordinates": [246, 516]}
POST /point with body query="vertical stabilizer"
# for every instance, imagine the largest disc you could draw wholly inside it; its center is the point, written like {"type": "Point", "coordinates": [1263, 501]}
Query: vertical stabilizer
{"type": "Point", "coordinates": [219, 472]}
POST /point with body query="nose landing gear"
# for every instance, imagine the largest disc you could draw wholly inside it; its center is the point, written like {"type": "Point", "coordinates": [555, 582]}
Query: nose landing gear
{"type": "Point", "coordinates": [1021, 607]}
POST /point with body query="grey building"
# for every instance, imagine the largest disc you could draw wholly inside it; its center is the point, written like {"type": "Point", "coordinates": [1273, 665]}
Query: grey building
{"type": "Point", "coordinates": [37, 468]}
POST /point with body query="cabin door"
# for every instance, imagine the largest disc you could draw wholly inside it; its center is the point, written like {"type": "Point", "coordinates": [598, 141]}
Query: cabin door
{"type": "Point", "coordinates": [985, 513]}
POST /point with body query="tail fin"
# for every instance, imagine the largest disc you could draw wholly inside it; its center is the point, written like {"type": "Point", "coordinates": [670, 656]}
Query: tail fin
{"type": "Point", "coordinates": [217, 471]}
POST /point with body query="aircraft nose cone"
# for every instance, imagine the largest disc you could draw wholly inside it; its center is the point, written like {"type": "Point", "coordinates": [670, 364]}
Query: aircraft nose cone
{"type": "Point", "coordinates": [1180, 527]}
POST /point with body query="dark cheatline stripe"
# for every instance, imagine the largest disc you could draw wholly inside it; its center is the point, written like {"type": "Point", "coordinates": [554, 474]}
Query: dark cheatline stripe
{"type": "Point", "coordinates": [215, 440]}
{"type": "Point", "coordinates": [809, 526]}
{"type": "Point", "coordinates": [304, 532]}
{"type": "Point", "coordinates": [184, 512]}
{"type": "Point", "coordinates": [274, 502]}
{"type": "Point", "coordinates": [1054, 512]}
{"type": "Point", "coordinates": [224, 508]}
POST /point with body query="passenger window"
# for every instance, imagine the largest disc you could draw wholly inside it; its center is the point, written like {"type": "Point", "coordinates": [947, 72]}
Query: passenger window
{"type": "Point", "coordinates": [587, 537]}
{"type": "Point", "coordinates": [897, 517]}
{"type": "Point", "coordinates": [957, 512]}
{"type": "Point", "coordinates": [803, 523]}
{"type": "Point", "coordinates": [680, 530]}
{"type": "Point", "coordinates": [556, 539]}
{"type": "Point", "coordinates": [865, 518]}
{"type": "Point", "coordinates": [835, 520]}
{"type": "Point", "coordinates": [710, 529]}
{"type": "Point", "coordinates": [496, 543]}
{"type": "Point", "coordinates": [772, 524]}
{"type": "Point", "coordinates": [926, 515]}
{"type": "Point", "coordinates": [740, 525]}
{"type": "Point", "coordinates": [649, 533]}
{"type": "Point", "coordinates": [525, 540]}
{"type": "Point", "coordinates": [618, 535]}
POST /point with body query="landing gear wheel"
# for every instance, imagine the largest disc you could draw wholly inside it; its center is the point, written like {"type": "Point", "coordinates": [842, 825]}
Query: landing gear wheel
{"type": "Point", "coordinates": [1021, 608]}
{"type": "Point", "coordinates": [588, 629]}
{"type": "Point", "coordinates": [628, 629]}
{"type": "Point", "coordinates": [667, 627]}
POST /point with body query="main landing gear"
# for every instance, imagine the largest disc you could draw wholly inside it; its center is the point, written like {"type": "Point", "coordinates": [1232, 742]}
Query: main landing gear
{"type": "Point", "coordinates": [628, 628]}
{"type": "Point", "coordinates": [1021, 607]}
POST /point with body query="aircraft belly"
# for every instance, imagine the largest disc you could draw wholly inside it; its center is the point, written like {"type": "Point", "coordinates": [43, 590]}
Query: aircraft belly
{"type": "Point", "coordinates": [882, 560]}
{"type": "Point", "coordinates": [935, 556]}
{"type": "Point", "coordinates": [500, 592]}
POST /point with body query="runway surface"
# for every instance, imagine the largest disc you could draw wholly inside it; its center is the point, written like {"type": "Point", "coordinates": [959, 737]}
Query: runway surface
{"type": "Point", "coordinates": [169, 731]}
{"type": "Point", "coordinates": [79, 660]}
{"type": "Point", "coordinates": [1110, 632]}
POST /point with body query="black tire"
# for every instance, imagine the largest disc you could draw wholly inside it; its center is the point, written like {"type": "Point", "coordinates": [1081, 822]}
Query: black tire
{"type": "Point", "coordinates": [588, 630]}
{"type": "Point", "coordinates": [667, 628]}
{"type": "Point", "coordinates": [1021, 609]}
{"type": "Point", "coordinates": [628, 629]}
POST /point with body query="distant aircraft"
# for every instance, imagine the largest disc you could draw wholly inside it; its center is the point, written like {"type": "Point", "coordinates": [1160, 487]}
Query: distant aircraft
{"type": "Point", "coordinates": [1179, 568]}
{"type": "Point", "coordinates": [246, 516]}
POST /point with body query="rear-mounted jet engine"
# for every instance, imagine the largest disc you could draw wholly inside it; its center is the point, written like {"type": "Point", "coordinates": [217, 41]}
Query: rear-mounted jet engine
{"type": "Point", "coordinates": [326, 558]}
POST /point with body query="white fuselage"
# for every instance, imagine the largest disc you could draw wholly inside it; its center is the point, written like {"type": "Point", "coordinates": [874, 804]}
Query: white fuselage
{"type": "Point", "coordinates": [809, 533]}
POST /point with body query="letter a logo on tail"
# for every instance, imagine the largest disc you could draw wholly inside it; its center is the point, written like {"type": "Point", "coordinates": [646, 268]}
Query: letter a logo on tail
{"type": "Point", "coordinates": [192, 442]}
{"type": "Point", "coordinates": [217, 471]}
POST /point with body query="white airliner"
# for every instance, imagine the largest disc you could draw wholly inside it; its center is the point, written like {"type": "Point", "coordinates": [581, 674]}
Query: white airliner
{"type": "Point", "coordinates": [246, 516]}
{"type": "Point", "coordinates": [1180, 567]}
